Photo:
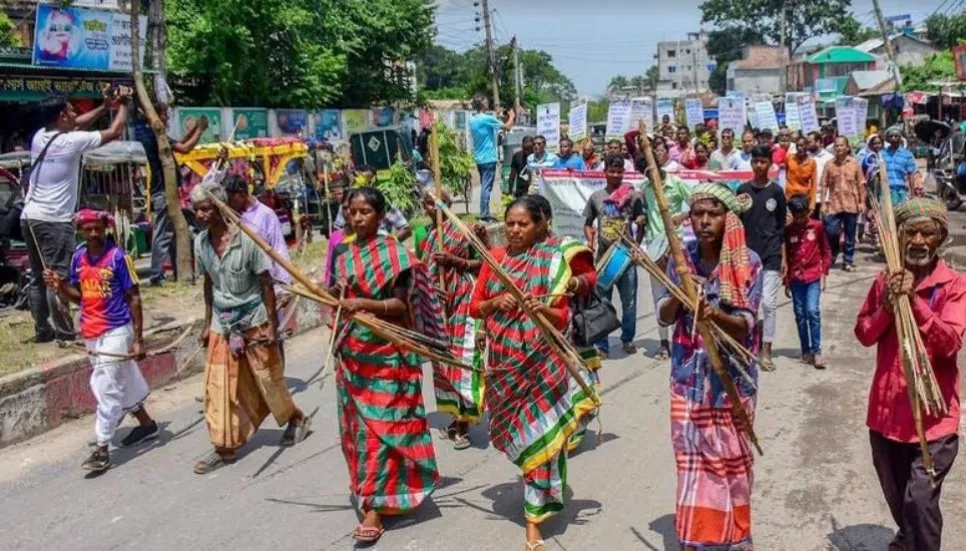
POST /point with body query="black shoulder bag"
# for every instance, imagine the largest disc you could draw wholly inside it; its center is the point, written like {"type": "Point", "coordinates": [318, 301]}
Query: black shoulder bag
{"type": "Point", "coordinates": [594, 318]}
{"type": "Point", "coordinates": [10, 219]}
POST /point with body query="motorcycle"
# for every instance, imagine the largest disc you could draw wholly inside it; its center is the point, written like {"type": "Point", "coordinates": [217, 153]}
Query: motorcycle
{"type": "Point", "coordinates": [946, 154]}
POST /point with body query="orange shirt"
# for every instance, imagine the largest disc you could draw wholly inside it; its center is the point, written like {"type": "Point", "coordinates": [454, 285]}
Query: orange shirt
{"type": "Point", "coordinates": [801, 178]}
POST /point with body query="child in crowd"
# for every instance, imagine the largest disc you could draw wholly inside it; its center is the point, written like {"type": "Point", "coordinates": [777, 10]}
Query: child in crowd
{"type": "Point", "coordinates": [809, 258]}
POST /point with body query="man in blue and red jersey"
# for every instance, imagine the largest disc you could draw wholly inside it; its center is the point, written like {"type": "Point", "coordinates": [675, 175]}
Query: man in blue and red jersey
{"type": "Point", "coordinates": [103, 281]}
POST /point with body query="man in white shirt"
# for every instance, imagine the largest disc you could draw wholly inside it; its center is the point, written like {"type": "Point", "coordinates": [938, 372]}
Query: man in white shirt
{"type": "Point", "coordinates": [52, 191]}
{"type": "Point", "coordinates": [822, 157]}
{"type": "Point", "coordinates": [724, 157]}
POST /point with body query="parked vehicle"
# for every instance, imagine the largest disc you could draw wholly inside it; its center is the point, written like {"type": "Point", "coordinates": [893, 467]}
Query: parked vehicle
{"type": "Point", "coordinates": [945, 153]}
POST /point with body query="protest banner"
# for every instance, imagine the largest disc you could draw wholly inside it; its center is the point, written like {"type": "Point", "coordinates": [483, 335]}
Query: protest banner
{"type": "Point", "coordinates": [665, 107]}
{"type": "Point", "coordinates": [577, 120]}
{"type": "Point", "coordinates": [548, 124]}
{"type": "Point", "coordinates": [845, 116]}
{"type": "Point", "coordinates": [861, 106]}
{"type": "Point", "coordinates": [642, 110]}
{"type": "Point", "coordinates": [731, 114]}
{"type": "Point", "coordinates": [765, 115]}
{"type": "Point", "coordinates": [793, 119]}
{"type": "Point", "coordinates": [693, 112]}
{"type": "Point", "coordinates": [807, 113]}
{"type": "Point", "coordinates": [618, 118]}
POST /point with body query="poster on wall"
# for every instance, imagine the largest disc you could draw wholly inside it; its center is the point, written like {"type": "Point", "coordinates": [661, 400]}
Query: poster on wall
{"type": "Point", "coordinates": [328, 125]}
{"type": "Point", "coordinates": [189, 116]}
{"type": "Point", "coordinates": [249, 123]}
{"type": "Point", "coordinates": [665, 108]}
{"type": "Point", "coordinates": [548, 124]}
{"type": "Point", "coordinates": [292, 122]}
{"type": "Point", "coordinates": [577, 120]}
{"type": "Point", "coordinates": [78, 38]}
{"type": "Point", "coordinates": [354, 120]}
{"type": "Point", "coordinates": [381, 117]}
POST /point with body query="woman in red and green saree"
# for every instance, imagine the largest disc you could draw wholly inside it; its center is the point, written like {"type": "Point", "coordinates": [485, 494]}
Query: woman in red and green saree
{"type": "Point", "coordinates": [459, 391]}
{"type": "Point", "coordinates": [384, 433]}
{"type": "Point", "coordinates": [582, 281]}
{"type": "Point", "coordinates": [533, 403]}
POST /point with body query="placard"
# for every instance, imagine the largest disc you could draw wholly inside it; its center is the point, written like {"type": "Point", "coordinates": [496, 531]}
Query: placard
{"type": "Point", "coordinates": [807, 113]}
{"type": "Point", "coordinates": [568, 193]}
{"type": "Point", "coordinates": [731, 114]}
{"type": "Point", "coordinates": [328, 125]}
{"type": "Point", "coordinates": [792, 118]}
{"type": "Point", "coordinates": [249, 123]}
{"type": "Point", "coordinates": [79, 38]}
{"type": "Point", "coordinates": [861, 106]}
{"type": "Point", "coordinates": [693, 112]}
{"type": "Point", "coordinates": [765, 115]}
{"type": "Point", "coordinates": [618, 118]}
{"type": "Point", "coordinates": [577, 120]}
{"type": "Point", "coordinates": [548, 124]}
{"type": "Point", "coordinates": [189, 116]}
{"type": "Point", "coordinates": [665, 106]}
{"type": "Point", "coordinates": [845, 116]}
{"type": "Point", "coordinates": [642, 110]}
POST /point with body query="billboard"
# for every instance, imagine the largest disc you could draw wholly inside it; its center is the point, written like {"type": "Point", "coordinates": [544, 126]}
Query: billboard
{"type": "Point", "coordinates": [959, 56]}
{"type": "Point", "coordinates": [78, 38]}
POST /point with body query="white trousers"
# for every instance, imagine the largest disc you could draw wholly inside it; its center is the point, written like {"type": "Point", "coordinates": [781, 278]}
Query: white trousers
{"type": "Point", "coordinates": [768, 312]}
{"type": "Point", "coordinates": [117, 384]}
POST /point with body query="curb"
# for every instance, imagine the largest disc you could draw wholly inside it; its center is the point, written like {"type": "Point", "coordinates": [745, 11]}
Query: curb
{"type": "Point", "coordinates": [43, 397]}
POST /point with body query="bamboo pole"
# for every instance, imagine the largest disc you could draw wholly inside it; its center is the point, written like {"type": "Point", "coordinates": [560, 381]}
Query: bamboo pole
{"type": "Point", "coordinates": [688, 285]}
{"type": "Point", "coordinates": [437, 182]}
{"type": "Point", "coordinates": [558, 343]}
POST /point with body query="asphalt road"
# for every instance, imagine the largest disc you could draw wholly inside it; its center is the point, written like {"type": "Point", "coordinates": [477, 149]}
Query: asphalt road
{"type": "Point", "coordinates": [815, 488]}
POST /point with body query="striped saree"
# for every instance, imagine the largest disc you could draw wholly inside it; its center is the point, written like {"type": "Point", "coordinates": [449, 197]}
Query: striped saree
{"type": "Point", "coordinates": [459, 392]}
{"type": "Point", "coordinates": [385, 436]}
{"type": "Point", "coordinates": [534, 404]}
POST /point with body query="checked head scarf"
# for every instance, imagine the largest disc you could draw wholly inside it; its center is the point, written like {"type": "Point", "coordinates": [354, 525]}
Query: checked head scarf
{"type": "Point", "coordinates": [734, 268]}
{"type": "Point", "coordinates": [920, 208]}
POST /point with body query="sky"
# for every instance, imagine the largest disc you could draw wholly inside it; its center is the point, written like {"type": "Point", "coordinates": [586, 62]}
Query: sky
{"type": "Point", "coordinates": [594, 40]}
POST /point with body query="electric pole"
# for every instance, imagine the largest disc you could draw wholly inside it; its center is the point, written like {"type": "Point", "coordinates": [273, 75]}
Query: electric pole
{"type": "Point", "coordinates": [783, 60]}
{"type": "Point", "coordinates": [517, 84]}
{"type": "Point", "coordinates": [490, 58]}
{"type": "Point", "coordinates": [888, 44]}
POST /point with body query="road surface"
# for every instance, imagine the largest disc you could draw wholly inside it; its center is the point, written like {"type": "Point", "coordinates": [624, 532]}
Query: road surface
{"type": "Point", "coordinates": [815, 488]}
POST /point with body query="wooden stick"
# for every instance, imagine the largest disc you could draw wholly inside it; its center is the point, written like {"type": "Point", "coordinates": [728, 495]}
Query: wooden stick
{"type": "Point", "coordinates": [335, 330]}
{"type": "Point", "coordinates": [688, 285]}
{"type": "Point", "coordinates": [558, 343]}
{"type": "Point", "coordinates": [437, 180]}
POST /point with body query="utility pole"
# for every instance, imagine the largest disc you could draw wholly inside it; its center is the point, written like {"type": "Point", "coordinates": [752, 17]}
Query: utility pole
{"type": "Point", "coordinates": [517, 84]}
{"type": "Point", "coordinates": [783, 60]}
{"type": "Point", "coordinates": [490, 59]}
{"type": "Point", "coordinates": [885, 39]}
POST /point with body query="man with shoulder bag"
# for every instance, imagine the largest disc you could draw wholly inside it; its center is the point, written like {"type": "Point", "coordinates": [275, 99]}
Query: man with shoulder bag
{"type": "Point", "coordinates": [52, 190]}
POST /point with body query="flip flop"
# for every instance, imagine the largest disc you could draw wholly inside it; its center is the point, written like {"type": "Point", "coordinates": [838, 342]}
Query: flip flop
{"type": "Point", "coordinates": [767, 364]}
{"type": "Point", "coordinates": [662, 355]}
{"type": "Point", "coordinates": [212, 463]}
{"type": "Point", "coordinates": [295, 433]}
{"type": "Point", "coordinates": [535, 546]}
{"type": "Point", "coordinates": [368, 534]}
{"type": "Point", "coordinates": [462, 442]}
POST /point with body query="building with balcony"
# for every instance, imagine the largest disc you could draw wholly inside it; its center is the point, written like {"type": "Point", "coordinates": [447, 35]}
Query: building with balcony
{"type": "Point", "coordinates": [683, 66]}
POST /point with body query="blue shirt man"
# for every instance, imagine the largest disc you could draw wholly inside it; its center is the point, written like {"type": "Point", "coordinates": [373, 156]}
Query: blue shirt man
{"type": "Point", "coordinates": [483, 129]}
{"type": "Point", "coordinates": [900, 166]}
{"type": "Point", "coordinates": [568, 159]}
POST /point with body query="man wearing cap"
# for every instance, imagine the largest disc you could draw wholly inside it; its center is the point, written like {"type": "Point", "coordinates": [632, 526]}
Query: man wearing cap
{"type": "Point", "coordinates": [900, 166]}
{"type": "Point", "coordinates": [938, 297]}
{"type": "Point", "coordinates": [104, 283]}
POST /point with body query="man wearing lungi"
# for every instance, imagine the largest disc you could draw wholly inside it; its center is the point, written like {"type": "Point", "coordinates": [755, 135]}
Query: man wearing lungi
{"type": "Point", "coordinates": [938, 296]}
{"type": "Point", "coordinates": [103, 281]}
{"type": "Point", "coordinates": [714, 460]}
{"type": "Point", "coordinates": [243, 371]}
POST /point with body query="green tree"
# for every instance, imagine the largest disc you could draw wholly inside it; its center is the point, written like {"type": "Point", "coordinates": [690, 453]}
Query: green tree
{"type": "Point", "coordinates": [652, 75]}
{"type": "Point", "coordinates": [307, 53]}
{"type": "Point", "coordinates": [851, 32]}
{"type": "Point", "coordinates": [946, 30]}
{"type": "Point", "coordinates": [804, 20]}
{"type": "Point", "coordinates": [939, 67]}
{"type": "Point", "coordinates": [8, 35]}
{"type": "Point", "coordinates": [618, 82]}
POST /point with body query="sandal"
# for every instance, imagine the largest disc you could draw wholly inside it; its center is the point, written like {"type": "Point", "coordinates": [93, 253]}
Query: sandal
{"type": "Point", "coordinates": [535, 546]}
{"type": "Point", "coordinates": [663, 354]}
{"type": "Point", "coordinates": [296, 432]}
{"type": "Point", "coordinates": [848, 268]}
{"type": "Point", "coordinates": [368, 534]}
{"type": "Point", "coordinates": [767, 364]}
{"type": "Point", "coordinates": [461, 442]}
{"type": "Point", "coordinates": [450, 432]}
{"type": "Point", "coordinates": [212, 462]}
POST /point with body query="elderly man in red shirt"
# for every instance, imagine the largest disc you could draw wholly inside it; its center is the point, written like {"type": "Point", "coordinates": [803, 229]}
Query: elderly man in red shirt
{"type": "Point", "coordinates": [938, 296]}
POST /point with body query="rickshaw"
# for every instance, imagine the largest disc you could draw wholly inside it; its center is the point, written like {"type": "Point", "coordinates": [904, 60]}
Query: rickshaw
{"type": "Point", "coordinates": [944, 151]}
{"type": "Point", "coordinates": [14, 264]}
{"type": "Point", "coordinates": [113, 178]}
